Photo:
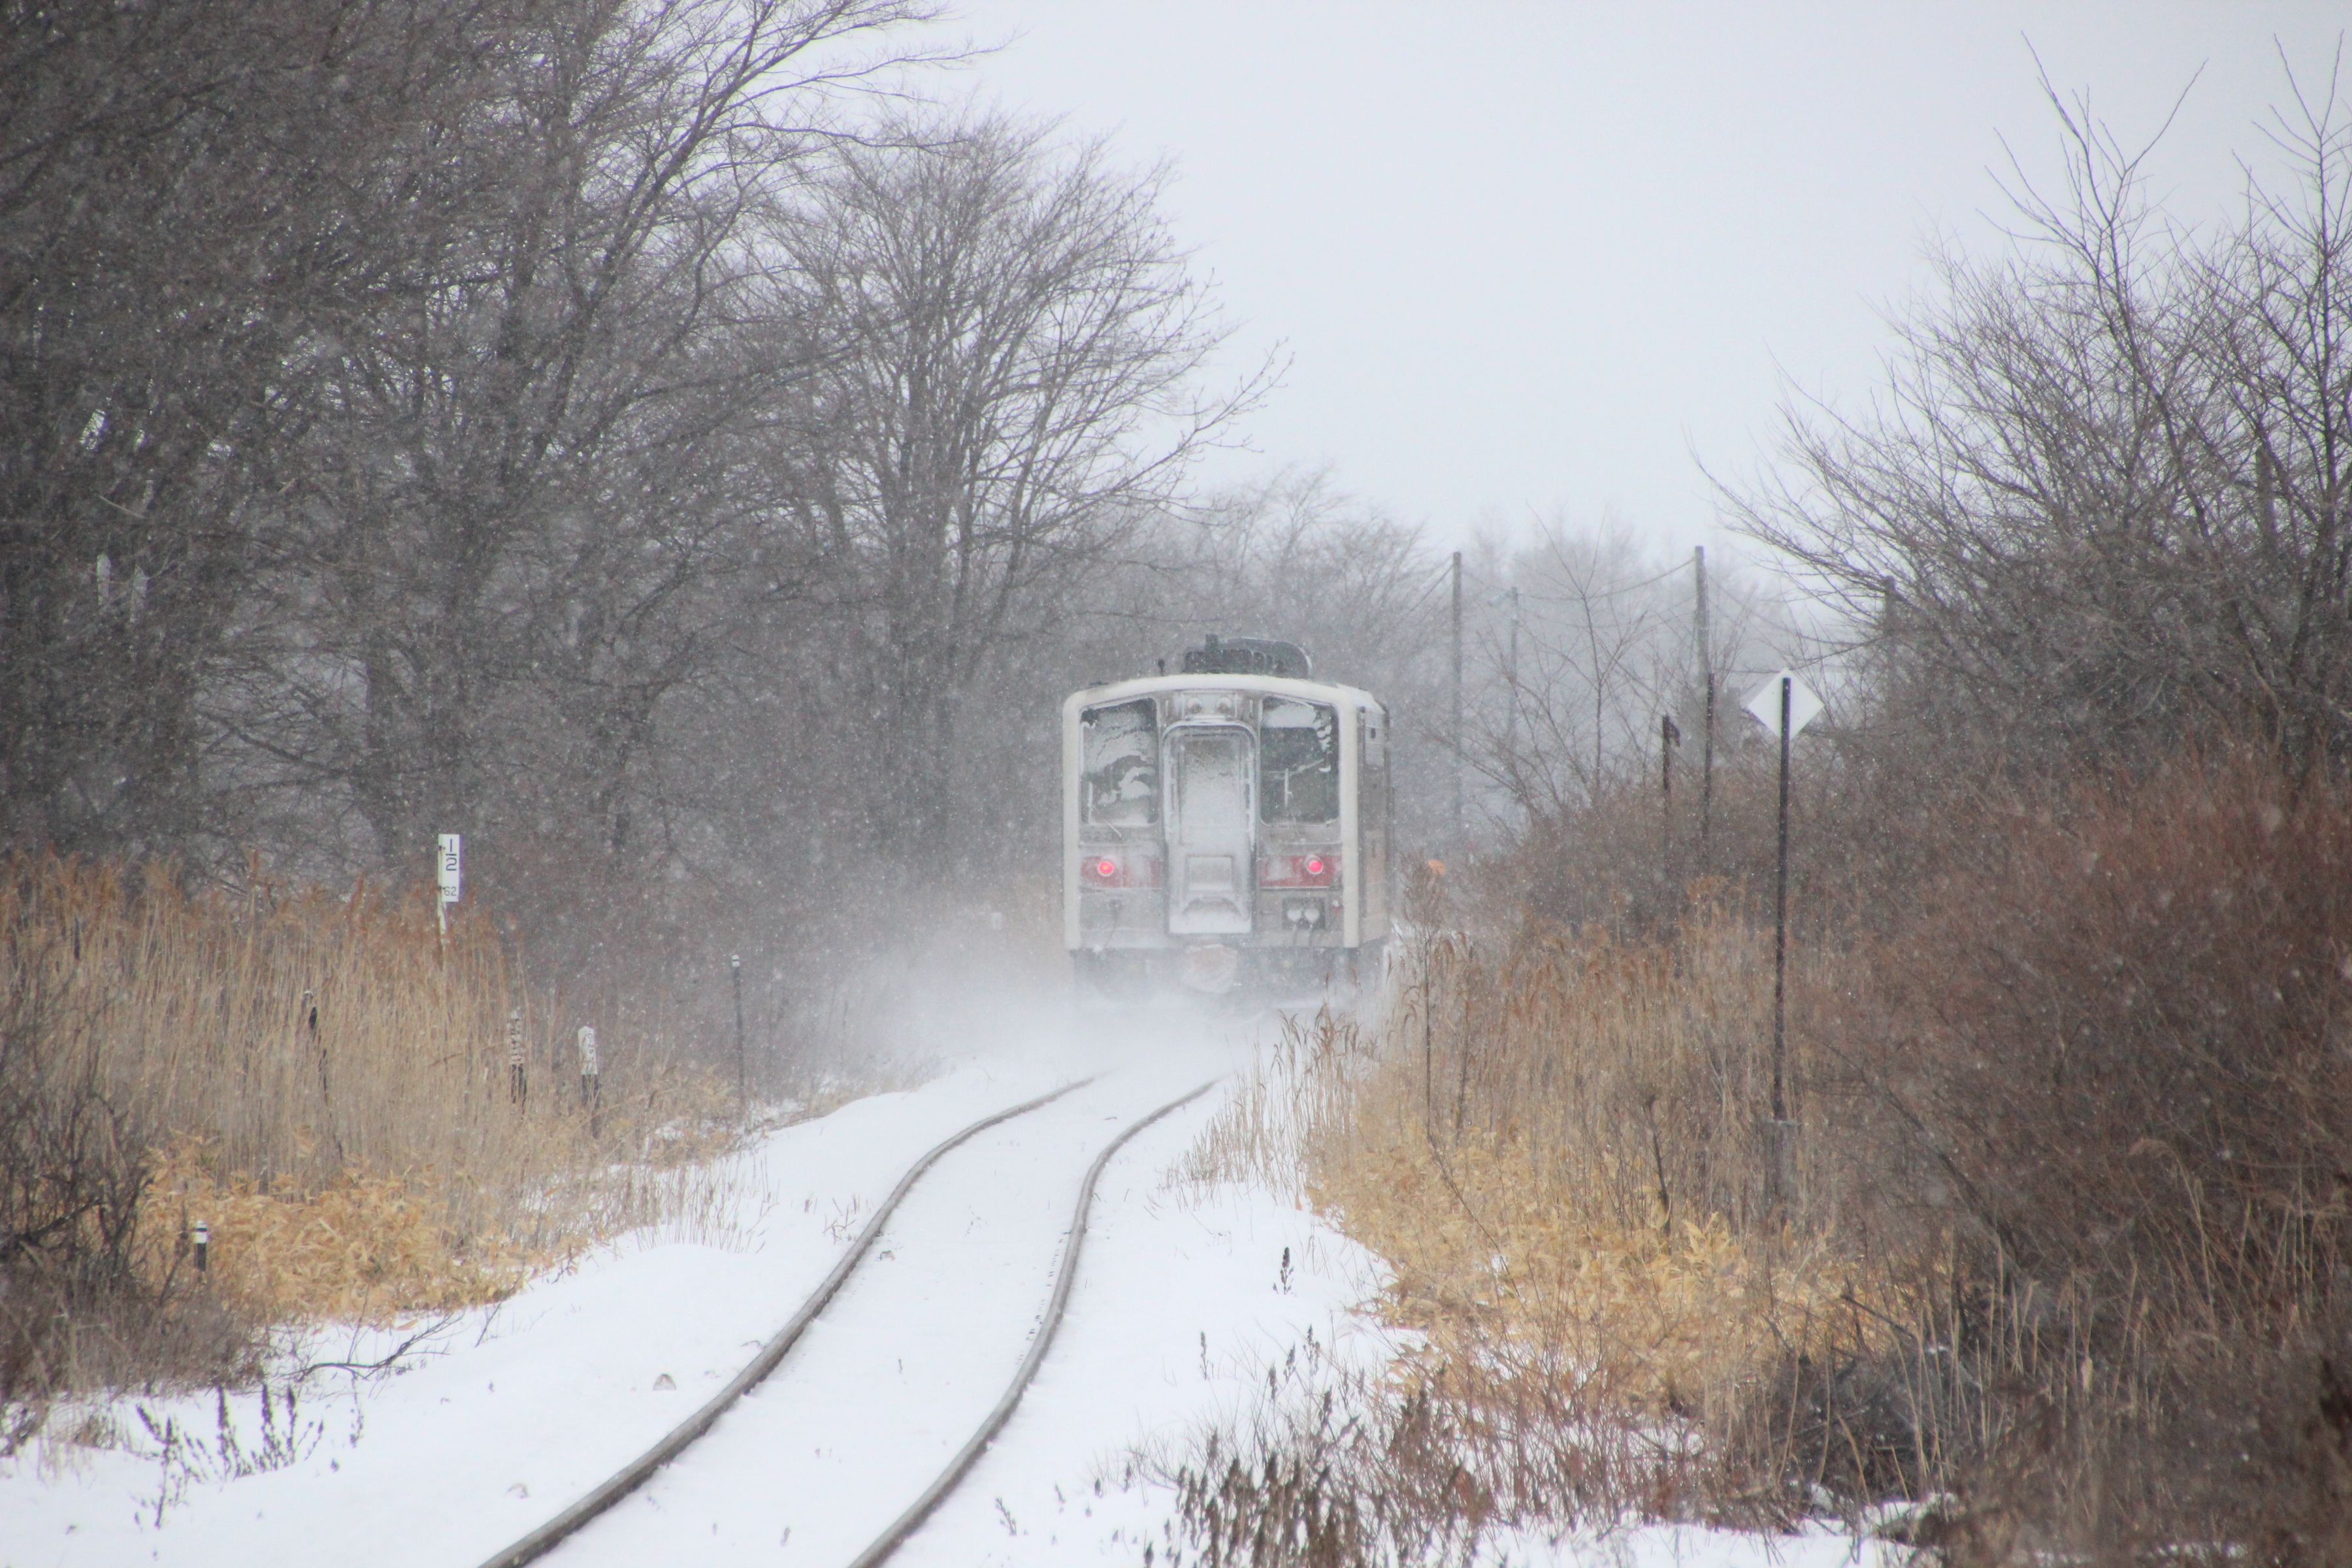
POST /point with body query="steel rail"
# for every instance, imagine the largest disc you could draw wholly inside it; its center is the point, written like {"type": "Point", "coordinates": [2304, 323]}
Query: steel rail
{"type": "Point", "coordinates": [564, 1525]}
{"type": "Point", "coordinates": [1065, 1277]}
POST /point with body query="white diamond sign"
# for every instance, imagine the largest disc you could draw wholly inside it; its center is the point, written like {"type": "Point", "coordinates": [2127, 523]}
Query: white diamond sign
{"type": "Point", "coordinates": [1803, 706]}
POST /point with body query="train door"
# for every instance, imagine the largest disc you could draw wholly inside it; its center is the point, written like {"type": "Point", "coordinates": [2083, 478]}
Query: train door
{"type": "Point", "coordinates": [1212, 826]}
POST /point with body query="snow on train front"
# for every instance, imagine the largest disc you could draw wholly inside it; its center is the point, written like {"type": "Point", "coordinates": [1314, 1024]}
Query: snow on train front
{"type": "Point", "coordinates": [1225, 827]}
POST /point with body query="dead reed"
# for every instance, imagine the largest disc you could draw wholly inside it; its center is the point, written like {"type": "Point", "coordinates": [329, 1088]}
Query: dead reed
{"type": "Point", "coordinates": [1554, 1139]}
{"type": "Point", "coordinates": [1557, 1149]}
{"type": "Point", "coordinates": [369, 1117]}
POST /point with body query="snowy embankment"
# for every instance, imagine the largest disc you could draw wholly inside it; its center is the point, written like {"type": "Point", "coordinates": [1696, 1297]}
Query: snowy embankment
{"type": "Point", "coordinates": [1184, 1300]}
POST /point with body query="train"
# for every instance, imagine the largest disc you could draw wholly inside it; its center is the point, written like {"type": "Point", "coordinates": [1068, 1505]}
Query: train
{"type": "Point", "coordinates": [1225, 828]}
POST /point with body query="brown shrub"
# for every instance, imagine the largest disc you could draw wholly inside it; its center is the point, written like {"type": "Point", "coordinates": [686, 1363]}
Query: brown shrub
{"type": "Point", "coordinates": [2105, 1060]}
{"type": "Point", "coordinates": [2126, 1038]}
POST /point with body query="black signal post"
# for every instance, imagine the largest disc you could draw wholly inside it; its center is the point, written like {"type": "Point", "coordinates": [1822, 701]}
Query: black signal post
{"type": "Point", "coordinates": [1780, 925]}
{"type": "Point", "coordinates": [742, 1094]}
{"type": "Point", "coordinates": [1779, 1138]}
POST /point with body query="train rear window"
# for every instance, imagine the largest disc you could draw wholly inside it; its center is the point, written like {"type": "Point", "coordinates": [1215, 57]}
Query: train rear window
{"type": "Point", "coordinates": [1299, 760]}
{"type": "Point", "coordinates": [1118, 781]}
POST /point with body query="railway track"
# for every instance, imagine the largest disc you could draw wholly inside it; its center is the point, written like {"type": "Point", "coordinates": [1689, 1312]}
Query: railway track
{"type": "Point", "coordinates": [579, 1515]}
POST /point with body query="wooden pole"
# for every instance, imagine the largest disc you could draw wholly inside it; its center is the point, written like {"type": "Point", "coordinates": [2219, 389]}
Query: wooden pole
{"type": "Point", "coordinates": [1457, 701]}
{"type": "Point", "coordinates": [1707, 739]}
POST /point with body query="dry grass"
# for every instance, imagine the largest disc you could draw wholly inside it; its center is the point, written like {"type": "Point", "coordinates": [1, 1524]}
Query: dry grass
{"type": "Point", "coordinates": [325, 1081]}
{"type": "Point", "coordinates": [1556, 1150]}
{"type": "Point", "coordinates": [1558, 1155]}
{"type": "Point", "coordinates": [365, 1249]}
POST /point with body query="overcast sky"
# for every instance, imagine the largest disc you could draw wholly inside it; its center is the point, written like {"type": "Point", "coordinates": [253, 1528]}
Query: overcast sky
{"type": "Point", "coordinates": [1529, 256]}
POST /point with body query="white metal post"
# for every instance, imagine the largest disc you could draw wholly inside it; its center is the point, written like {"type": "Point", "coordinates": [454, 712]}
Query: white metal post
{"type": "Point", "coordinates": [449, 872]}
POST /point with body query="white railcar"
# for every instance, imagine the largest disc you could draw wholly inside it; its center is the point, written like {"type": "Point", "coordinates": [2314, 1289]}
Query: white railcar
{"type": "Point", "coordinates": [1227, 826]}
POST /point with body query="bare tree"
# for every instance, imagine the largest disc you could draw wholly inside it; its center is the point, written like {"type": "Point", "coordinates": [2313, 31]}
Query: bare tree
{"type": "Point", "coordinates": [505, 536]}
{"type": "Point", "coordinates": [2101, 501]}
{"type": "Point", "coordinates": [1568, 702]}
{"type": "Point", "coordinates": [1010, 377]}
{"type": "Point", "coordinates": [186, 193]}
{"type": "Point", "coordinates": [1592, 671]}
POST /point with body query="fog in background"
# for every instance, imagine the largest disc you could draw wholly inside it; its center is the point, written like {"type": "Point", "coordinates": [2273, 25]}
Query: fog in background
{"type": "Point", "coordinates": [1531, 255]}
{"type": "Point", "coordinates": [691, 450]}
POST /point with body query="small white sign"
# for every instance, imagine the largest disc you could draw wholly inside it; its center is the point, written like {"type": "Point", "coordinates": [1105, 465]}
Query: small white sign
{"type": "Point", "coordinates": [587, 1050]}
{"type": "Point", "coordinates": [452, 869]}
{"type": "Point", "coordinates": [1803, 706]}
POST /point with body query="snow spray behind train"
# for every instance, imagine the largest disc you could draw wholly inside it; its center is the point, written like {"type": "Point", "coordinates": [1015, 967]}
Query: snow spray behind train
{"type": "Point", "coordinates": [1225, 826]}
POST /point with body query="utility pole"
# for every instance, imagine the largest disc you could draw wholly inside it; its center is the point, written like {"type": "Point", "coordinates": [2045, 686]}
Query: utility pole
{"type": "Point", "coordinates": [1706, 739]}
{"type": "Point", "coordinates": [1512, 719]}
{"type": "Point", "coordinates": [1457, 701]}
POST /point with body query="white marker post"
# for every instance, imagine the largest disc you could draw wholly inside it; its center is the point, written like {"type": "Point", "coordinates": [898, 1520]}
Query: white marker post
{"type": "Point", "coordinates": [517, 1086]}
{"type": "Point", "coordinates": [451, 866]}
{"type": "Point", "coordinates": [590, 1085]}
{"type": "Point", "coordinates": [1786, 705]}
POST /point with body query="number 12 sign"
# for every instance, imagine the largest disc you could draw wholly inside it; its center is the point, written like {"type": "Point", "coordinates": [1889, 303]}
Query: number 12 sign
{"type": "Point", "coordinates": [452, 869]}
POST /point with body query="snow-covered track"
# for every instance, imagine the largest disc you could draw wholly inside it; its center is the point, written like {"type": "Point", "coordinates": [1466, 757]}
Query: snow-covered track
{"type": "Point", "coordinates": [634, 1474]}
{"type": "Point", "coordinates": [1064, 1277]}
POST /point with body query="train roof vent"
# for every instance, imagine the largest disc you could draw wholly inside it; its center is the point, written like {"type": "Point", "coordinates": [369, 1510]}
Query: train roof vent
{"type": "Point", "coordinates": [1249, 656]}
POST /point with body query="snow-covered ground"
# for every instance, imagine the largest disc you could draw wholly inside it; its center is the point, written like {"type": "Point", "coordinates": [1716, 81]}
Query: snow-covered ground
{"type": "Point", "coordinates": [1184, 1300]}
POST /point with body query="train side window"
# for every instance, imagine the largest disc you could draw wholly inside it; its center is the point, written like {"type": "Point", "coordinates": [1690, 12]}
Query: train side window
{"type": "Point", "coordinates": [1120, 764]}
{"type": "Point", "coordinates": [1299, 760]}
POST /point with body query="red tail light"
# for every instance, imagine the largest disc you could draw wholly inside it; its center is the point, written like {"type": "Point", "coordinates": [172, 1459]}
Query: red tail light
{"type": "Point", "coordinates": [1117, 868]}
{"type": "Point", "coordinates": [1308, 871]}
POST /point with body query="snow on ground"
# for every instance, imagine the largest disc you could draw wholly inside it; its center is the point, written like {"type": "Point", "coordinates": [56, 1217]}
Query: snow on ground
{"type": "Point", "coordinates": [1183, 1302]}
